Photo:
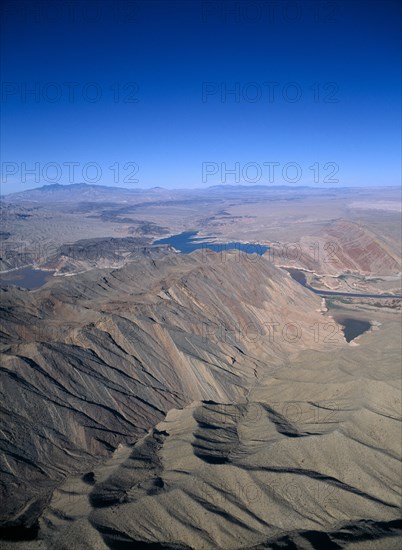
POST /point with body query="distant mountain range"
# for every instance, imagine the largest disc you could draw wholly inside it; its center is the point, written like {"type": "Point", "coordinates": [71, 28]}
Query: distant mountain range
{"type": "Point", "coordinates": [69, 192]}
{"type": "Point", "coordinates": [79, 192]}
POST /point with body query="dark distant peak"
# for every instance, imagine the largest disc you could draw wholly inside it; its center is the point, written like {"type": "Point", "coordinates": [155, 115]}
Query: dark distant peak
{"type": "Point", "coordinates": [49, 187]}
{"type": "Point", "coordinates": [81, 186]}
{"type": "Point", "coordinates": [67, 186]}
{"type": "Point", "coordinates": [63, 191]}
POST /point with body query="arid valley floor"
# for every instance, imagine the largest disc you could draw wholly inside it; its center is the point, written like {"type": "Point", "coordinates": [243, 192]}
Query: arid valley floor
{"type": "Point", "coordinates": [205, 400]}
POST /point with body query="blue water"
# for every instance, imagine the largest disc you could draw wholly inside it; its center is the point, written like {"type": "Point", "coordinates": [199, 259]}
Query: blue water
{"type": "Point", "coordinates": [352, 328]}
{"type": "Point", "coordinates": [186, 243]}
{"type": "Point", "coordinates": [26, 278]}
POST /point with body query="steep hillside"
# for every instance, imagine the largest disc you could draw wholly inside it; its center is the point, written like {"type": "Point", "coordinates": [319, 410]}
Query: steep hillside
{"type": "Point", "coordinates": [344, 245]}
{"type": "Point", "coordinates": [310, 460]}
{"type": "Point", "coordinates": [95, 360]}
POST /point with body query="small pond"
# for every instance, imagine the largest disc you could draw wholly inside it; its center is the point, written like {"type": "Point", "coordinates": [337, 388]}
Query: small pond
{"type": "Point", "coordinates": [27, 277]}
{"type": "Point", "coordinates": [352, 328]}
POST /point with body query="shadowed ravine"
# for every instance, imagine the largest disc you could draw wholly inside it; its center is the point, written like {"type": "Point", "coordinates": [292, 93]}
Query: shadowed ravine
{"type": "Point", "coordinates": [163, 425]}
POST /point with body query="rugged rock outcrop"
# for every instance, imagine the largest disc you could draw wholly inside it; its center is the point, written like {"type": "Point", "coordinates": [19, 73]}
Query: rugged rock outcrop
{"type": "Point", "coordinates": [310, 460]}
{"type": "Point", "coordinates": [348, 246]}
{"type": "Point", "coordinates": [95, 360]}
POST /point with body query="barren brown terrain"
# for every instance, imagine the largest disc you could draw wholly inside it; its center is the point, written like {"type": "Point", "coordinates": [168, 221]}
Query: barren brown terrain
{"type": "Point", "coordinates": [343, 237]}
{"type": "Point", "coordinates": [205, 400]}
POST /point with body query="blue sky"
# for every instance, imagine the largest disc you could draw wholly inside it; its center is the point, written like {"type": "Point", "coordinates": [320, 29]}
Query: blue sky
{"type": "Point", "coordinates": [190, 93]}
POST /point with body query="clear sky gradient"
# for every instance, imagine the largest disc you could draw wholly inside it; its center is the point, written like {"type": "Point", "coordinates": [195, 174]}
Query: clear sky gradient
{"type": "Point", "coordinates": [190, 93]}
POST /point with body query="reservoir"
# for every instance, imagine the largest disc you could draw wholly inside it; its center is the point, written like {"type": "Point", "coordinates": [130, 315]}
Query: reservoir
{"type": "Point", "coordinates": [27, 277]}
{"type": "Point", "coordinates": [352, 328]}
{"type": "Point", "coordinates": [187, 242]}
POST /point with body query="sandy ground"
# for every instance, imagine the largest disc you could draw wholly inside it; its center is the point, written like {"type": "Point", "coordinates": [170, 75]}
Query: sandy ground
{"type": "Point", "coordinates": [313, 451]}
